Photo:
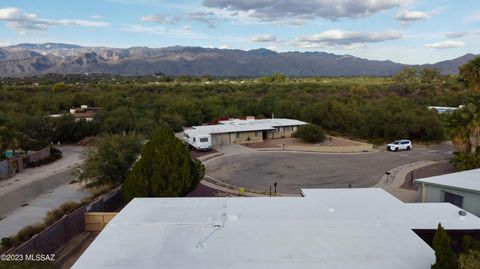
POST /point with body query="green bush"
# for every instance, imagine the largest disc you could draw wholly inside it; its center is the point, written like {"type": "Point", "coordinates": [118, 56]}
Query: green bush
{"type": "Point", "coordinates": [6, 243]}
{"type": "Point", "coordinates": [310, 133]}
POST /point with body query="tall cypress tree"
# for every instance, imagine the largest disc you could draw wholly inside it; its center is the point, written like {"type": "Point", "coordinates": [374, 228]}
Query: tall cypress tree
{"type": "Point", "coordinates": [445, 257]}
{"type": "Point", "coordinates": [165, 169]}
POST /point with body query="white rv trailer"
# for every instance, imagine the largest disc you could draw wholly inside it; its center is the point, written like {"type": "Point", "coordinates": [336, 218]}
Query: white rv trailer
{"type": "Point", "coordinates": [198, 140]}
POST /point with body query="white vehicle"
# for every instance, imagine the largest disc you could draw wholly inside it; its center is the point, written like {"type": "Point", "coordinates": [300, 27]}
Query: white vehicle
{"type": "Point", "coordinates": [397, 145]}
{"type": "Point", "coordinates": [198, 141]}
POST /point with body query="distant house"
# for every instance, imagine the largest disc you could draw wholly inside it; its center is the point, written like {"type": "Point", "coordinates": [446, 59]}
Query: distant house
{"type": "Point", "coordinates": [246, 130]}
{"type": "Point", "coordinates": [461, 189]}
{"type": "Point", "coordinates": [444, 109]}
{"type": "Point", "coordinates": [84, 112]}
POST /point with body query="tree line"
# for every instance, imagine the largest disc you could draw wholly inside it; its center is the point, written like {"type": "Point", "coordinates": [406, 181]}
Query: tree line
{"type": "Point", "coordinates": [376, 109]}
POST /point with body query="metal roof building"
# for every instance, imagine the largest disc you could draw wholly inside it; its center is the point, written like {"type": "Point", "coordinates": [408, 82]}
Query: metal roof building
{"type": "Point", "coordinates": [461, 189]}
{"type": "Point", "coordinates": [328, 228]}
{"type": "Point", "coordinates": [236, 125]}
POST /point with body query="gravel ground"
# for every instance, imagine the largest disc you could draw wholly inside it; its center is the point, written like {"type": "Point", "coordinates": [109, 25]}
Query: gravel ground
{"type": "Point", "coordinates": [204, 191]}
{"type": "Point", "coordinates": [436, 169]}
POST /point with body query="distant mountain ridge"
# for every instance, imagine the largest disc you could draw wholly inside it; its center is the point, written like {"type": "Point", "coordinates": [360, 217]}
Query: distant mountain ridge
{"type": "Point", "coordinates": [37, 59]}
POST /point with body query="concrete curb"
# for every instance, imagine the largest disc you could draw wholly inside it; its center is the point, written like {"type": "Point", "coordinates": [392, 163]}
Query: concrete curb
{"type": "Point", "coordinates": [397, 178]}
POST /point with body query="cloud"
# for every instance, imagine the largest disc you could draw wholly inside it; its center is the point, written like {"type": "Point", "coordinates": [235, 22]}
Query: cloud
{"type": "Point", "coordinates": [97, 17]}
{"type": "Point", "coordinates": [473, 17]}
{"type": "Point", "coordinates": [264, 38]}
{"type": "Point", "coordinates": [158, 18]}
{"type": "Point", "coordinates": [447, 44]}
{"type": "Point", "coordinates": [456, 34]}
{"type": "Point", "coordinates": [344, 39]}
{"type": "Point", "coordinates": [199, 16]}
{"type": "Point", "coordinates": [83, 23]}
{"type": "Point", "coordinates": [412, 15]}
{"type": "Point", "coordinates": [17, 19]}
{"type": "Point", "coordinates": [204, 17]}
{"type": "Point", "coordinates": [327, 9]}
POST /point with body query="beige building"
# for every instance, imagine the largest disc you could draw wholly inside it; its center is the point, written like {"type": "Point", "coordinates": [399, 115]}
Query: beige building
{"type": "Point", "coordinates": [248, 131]}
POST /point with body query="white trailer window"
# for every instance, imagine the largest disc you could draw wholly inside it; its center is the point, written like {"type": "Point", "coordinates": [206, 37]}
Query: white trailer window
{"type": "Point", "coordinates": [204, 139]}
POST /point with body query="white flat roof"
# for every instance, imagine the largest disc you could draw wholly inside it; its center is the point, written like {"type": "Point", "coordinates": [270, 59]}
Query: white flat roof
{"type": "Point", "coordinates": [328, 228]}
{"type": "Point", "coordinates": [465, 180]}
{"type": "Point", "coordinates": [236, 125]}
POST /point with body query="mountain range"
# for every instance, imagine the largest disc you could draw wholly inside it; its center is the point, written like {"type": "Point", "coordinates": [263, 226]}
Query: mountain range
{"type": "Point", "coordinates": [24, 60]}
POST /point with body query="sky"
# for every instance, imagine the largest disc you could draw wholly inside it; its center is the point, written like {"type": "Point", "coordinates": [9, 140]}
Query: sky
{"type": "Point", "coordinates": [405, 31]}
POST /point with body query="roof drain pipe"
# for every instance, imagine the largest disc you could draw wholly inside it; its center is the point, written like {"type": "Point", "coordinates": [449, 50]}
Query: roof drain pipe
{"type": "Point", "coordinates": [217, 225]}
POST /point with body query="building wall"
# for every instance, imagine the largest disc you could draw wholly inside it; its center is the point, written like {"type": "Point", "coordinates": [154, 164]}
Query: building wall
{"type": "Point", "coordinates": [247, 137]}
{"type": "Point", "coordinates": [283, 132]}
{"type": "Point", "coordinates": [251, 137]}
{"type": "Point", "coordinates": [221, 139]}
{"type": "Point", "coordinates": [436, 194]}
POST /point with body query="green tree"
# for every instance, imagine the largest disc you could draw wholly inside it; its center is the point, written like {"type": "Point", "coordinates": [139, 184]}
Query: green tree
{"type": "Point", "coordinates": [469, 243]}
{"type": "Point", "coordinates": [110, 159]}
{"type": "Point", "coordinates": [165, 169]}
{"type": "Point", "coordinates": [407, 74]}
{"type": "Point", "coordinates": [429, 75]}
{"type": "Point", "coordinates": [310, 133]}
{"type": "Point", "coordinates": [465, 135]}
{"type": "Point", "coordinates": [469, 260]}
{"type": "Point", "coordinates": [8, 134]}
{"type": "Point", "coordinates": [445, 257]}
{"type": "Point", "coordinates": [470, 72]}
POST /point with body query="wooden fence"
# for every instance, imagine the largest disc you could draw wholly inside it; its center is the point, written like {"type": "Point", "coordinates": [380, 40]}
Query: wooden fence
{"type": "Point", "coordinates": [96, 221]}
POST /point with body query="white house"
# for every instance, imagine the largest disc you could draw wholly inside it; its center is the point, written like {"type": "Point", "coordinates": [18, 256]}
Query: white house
{"type": "Point", "coordinates": [328, 228]}
{"type": "Point", "coordinates": [249, 130]}
{"type": "Point", "coordinates": [461, 189]}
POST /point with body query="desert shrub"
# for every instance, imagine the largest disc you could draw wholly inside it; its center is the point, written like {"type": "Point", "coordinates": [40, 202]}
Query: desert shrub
{"type": "Point", "coordinates": [54, 215]}
{"type": "Point", "coordinates": [310, 133]}
{"type": "Point", "coordinates": [27, 232]}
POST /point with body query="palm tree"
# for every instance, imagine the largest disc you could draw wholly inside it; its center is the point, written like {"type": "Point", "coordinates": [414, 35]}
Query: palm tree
{"type": "Point", "coordinates": [465, 125]}
{"type": "Point", "coordinates": [470, 72]}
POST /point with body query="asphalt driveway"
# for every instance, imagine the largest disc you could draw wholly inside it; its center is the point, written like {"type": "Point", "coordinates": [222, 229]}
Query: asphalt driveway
{"type": "Point", "coordinates": [295, 170]}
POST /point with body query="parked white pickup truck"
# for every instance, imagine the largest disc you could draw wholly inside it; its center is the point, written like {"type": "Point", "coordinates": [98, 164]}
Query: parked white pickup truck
{"type": "Point", "coordinates": [397, 145]}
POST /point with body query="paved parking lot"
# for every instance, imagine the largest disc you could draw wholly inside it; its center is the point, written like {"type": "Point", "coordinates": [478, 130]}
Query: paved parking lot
{"type": "Point", "coordinates": [295, 170]}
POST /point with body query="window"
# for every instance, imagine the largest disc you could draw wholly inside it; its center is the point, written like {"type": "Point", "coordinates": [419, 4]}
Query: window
{"type": "Point", "coordinates": [238, 135]}
{"type": "Point", "coordinates": [204, 139]}
{"type": "Point", "coordinates": [277, 129]}
{"type": "Point", "coordinates": [257, 134]}
{"type": "Point", "coordinates": [194, 139]}
{"type": "Point", "coordinates": [454, 199]}
{"type": "Point", "coordinates": [288, 128]}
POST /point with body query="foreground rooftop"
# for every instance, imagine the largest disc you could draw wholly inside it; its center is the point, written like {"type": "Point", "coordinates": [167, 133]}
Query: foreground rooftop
{"type": "Point", "coordinates": [328, 228]}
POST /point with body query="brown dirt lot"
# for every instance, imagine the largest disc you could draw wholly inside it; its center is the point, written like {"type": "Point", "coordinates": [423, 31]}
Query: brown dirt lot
{"type": "Point", "coordinates": [330, 141]}
{"type": "Point", "coordinates": [197, 154]}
